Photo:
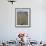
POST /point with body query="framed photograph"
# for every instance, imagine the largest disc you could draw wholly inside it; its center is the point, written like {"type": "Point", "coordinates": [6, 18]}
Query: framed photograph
{"type": "Point", "coordinates": [22, 17]}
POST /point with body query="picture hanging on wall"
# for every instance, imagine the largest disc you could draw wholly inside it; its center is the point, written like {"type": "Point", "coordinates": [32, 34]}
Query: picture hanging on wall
{"type": "Point", "coordinates": [22, 17]}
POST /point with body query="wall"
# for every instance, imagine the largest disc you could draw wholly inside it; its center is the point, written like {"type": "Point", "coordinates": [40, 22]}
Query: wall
{"type": "Point", "coordinates": [8, 31]}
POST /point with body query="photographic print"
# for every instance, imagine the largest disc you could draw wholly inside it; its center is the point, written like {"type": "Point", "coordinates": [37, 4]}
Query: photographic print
{"type": "Point", "coordinates": [22, 17]}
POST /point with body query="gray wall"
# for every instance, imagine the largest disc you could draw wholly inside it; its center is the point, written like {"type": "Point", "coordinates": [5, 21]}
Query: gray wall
{"type": "Point", "coordinates": [8, 31]}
